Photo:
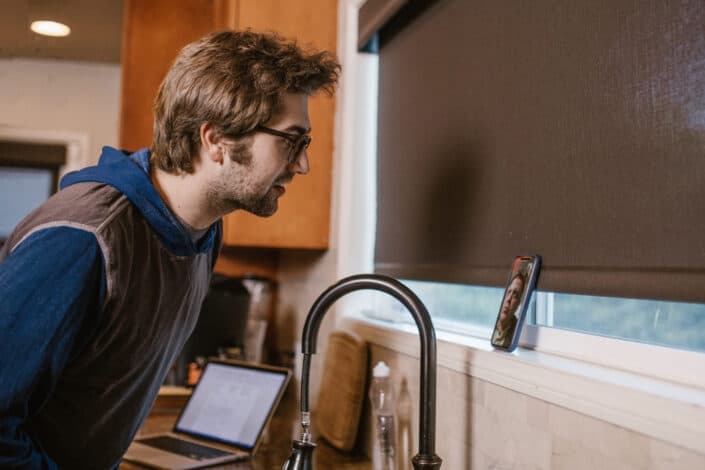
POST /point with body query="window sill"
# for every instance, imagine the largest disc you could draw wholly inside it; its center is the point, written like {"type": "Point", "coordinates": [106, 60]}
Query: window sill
{"type": "Point", "coordinates": [660, 409]}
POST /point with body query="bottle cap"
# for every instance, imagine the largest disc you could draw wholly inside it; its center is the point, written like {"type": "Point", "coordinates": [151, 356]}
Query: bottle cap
{"type": "Point", "coordinates": [380, 370]}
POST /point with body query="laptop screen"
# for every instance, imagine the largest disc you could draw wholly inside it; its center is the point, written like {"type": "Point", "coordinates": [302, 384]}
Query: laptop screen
{"type": "Point", "coordinates": [231, 403]}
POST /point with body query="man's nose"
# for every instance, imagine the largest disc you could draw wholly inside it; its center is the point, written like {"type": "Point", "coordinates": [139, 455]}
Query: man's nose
{"type": "Point", "coordinates": [300, 164]}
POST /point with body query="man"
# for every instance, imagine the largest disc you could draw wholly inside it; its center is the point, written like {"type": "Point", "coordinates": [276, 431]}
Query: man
{"type": "Point", "coordinates": [102, 285]}
{"type": "Point", "coordinates": [507, 321]}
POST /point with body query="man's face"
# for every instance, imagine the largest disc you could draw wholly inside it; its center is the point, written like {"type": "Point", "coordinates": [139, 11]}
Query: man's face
{"type": "Point", "coordinates": [511, 300]}
{"type": "Point", "coordinates": [254, 176]}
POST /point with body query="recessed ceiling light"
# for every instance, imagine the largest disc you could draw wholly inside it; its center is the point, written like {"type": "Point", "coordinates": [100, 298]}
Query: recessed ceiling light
{"type": "Point", "coordinates": [50, 28]}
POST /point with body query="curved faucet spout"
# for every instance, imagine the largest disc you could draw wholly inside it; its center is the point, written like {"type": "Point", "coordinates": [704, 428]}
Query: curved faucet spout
{"type": "Point", "coordinates": [426, 458]}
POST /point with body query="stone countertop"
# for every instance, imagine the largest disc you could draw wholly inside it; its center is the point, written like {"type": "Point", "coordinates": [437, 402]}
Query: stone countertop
{"type": "Point", "coordinates": [276, 442]}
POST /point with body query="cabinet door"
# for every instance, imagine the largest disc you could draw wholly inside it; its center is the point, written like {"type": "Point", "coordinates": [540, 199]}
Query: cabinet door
{"type": "Point", "coordinates": [154, 31]}
{"type": "Point", "coordinates": [303, 218]}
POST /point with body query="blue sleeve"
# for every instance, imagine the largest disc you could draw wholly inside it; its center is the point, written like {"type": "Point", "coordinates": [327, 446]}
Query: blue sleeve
{"type": "Point", "coordinates": [51, 292]}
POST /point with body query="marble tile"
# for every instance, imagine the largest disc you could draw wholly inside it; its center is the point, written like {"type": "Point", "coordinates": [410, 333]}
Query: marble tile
{"type": "Point", "coordinates": [453, 383]}
{"type": "Point", "coordinates": [664, 456]}
{"type": "Point", "coordinates": [506, 404]}
{"type": "Point", "coordinates": [620, 444]}
{"type": "Point", "coordinates": [454, 451]}
{"type": "Point", "coordinates": [509, 442]}
{"type": "Point", "coordinates": [565, 424]}
{"type": "Point", "coordinates": [477, 391]}
{"type": "Point", "coordinates": [452, 412]}
{"type": "Point", "coordinates": [569, 455]}
{"type": "Point", "coordinates": [601, 438]}
{"type": "Point", "coordinates": [537, 413]}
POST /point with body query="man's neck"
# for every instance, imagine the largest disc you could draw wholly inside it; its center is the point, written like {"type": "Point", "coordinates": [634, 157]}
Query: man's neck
{"type": "Point", "coordinates": [183, 196]}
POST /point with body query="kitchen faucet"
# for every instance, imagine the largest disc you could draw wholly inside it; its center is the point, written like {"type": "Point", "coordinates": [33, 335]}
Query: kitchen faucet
{"type": "Point", "coordinates": [301, 457]}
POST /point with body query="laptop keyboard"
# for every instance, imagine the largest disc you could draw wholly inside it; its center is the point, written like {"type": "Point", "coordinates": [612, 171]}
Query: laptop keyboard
{"type": "Point", "coordinates": [182, 447]}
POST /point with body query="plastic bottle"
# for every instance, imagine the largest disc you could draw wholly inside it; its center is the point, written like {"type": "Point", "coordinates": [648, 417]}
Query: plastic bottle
{"type": "Point", "coordinates": [382, 399]}
{"type": "Point", "coordinates": [404, 439]}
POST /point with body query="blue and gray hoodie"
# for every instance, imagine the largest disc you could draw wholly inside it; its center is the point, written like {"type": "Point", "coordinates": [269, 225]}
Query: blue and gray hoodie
{"type": "Point", "coordinates": [99, 289]}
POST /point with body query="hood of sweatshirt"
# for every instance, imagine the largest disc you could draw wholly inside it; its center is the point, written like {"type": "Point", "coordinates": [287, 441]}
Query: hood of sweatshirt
{"type": "Point", "coordinates": [129, 174]}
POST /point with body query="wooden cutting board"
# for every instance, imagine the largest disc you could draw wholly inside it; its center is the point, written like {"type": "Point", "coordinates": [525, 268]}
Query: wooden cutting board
{"type": "Point", "coordinates": [342, 392]}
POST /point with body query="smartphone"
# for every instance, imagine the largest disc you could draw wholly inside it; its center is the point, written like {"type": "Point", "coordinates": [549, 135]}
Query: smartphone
{"type": "Point", "coordinates": [520, 285]}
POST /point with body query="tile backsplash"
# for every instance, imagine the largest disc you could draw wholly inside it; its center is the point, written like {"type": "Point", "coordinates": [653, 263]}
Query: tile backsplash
{"type": "Point", "coordinates": [482, 426]}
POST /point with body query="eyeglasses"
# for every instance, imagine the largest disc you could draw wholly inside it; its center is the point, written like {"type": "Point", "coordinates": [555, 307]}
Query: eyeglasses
{"type": "Point", "coordinates": [297, 142]}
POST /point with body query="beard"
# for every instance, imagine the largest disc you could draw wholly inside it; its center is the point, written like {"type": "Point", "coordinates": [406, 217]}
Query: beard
{"type": "Point", "coordinates": [264, 206]}
{"type": "Point", "coordinates": [236, 189]}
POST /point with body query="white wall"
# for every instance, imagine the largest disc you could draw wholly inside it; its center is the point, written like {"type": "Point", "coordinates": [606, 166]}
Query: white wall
{"type": "Point", "coordinates": [53, 95]}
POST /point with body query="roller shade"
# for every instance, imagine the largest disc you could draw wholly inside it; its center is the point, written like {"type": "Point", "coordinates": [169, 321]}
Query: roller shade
{"type": "Point", "coordinates": [374, 14]}
{"type": "Point", "coordinates": [574, 130]}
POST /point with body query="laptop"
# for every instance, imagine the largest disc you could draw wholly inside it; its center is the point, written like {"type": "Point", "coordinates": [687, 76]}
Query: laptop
{"type": "Point", "coordinates": [223, 420]}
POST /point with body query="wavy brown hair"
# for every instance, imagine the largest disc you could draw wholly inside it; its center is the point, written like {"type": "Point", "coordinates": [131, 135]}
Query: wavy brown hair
{"type": "Point", "coordinates": [233, 80]}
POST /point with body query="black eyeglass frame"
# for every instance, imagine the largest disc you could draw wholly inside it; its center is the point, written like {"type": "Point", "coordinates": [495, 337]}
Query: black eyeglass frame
{"type": "Point", "coordinates": [297, 142]}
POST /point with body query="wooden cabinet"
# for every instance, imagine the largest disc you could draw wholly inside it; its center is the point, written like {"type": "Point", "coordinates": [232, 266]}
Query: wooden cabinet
{"type": "Point", "coordinates": [302, 220]}
{"type": "Point", "coordinates": [154, 31]}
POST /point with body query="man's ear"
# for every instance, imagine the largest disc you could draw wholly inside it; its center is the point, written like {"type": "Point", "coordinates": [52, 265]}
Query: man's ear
{"type": "Point", "coordinates": [211, 143]}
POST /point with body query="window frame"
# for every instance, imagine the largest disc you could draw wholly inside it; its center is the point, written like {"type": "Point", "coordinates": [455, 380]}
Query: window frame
{"type": "Point", "coordinates": [76, 143]}
{"type": "Point", "coordinates": [668, 364]}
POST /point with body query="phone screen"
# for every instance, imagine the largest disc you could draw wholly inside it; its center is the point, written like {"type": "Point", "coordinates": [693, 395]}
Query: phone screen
{"type": "Point", "coordinates": [520, 285]}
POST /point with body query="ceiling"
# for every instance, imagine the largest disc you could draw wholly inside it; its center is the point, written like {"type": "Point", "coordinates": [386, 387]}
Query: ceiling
{"type": "Point", "coordinates": [96, 29]}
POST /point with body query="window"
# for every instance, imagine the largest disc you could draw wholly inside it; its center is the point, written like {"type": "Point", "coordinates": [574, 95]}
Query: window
{"type": "Point", "coordinates": [22, 190]}
{"type": "Point", "coordinates": [672, 324]}
{"type": "Point", "coordinates": [582, 352]}
{"type": "Point", "coordinates": [613, 331]}
{"type": "Point", "coordinates": [473, 310]}
{"type": "Point", "coordinates": [29, 173]}
{"type": "Point", "coordinates": [533, 146]}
